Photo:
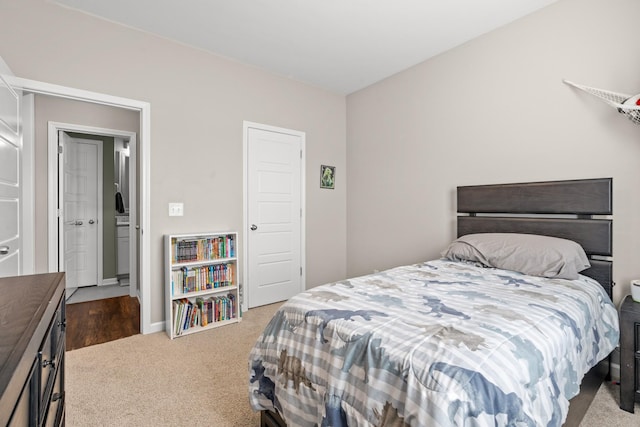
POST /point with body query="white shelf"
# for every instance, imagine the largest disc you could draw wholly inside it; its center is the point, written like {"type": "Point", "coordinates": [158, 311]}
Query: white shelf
{"type": "Point", "coordinates": [178, 265]}
{"type": "Point", "coordinates": [221, 250]}
{"type": "Point", "coordinates": [223, 289]}
{"type": "Point", "coordinates": [196, 329]}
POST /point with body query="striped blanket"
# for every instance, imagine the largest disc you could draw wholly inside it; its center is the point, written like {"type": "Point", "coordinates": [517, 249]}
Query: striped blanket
{"type": "Point", "coordinates": [441, 343]}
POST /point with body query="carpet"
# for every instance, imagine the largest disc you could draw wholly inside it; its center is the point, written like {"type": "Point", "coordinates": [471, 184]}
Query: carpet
{"type": "Point", "coordinates": [202, 380]}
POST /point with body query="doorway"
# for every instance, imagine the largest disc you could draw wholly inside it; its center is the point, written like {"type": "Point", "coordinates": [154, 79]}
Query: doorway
{"type": "Point", "coordinates": [111, 222]}
{"type": "Point", "coordinates": [143, 216]}
{"type": "Point", "coordinates": [274, 246]}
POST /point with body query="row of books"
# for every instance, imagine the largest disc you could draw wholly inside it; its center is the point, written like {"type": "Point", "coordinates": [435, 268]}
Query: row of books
{"type": "Point", "coordinates": [201, 278]}
{"type": "Point", "coordinates": [188, 250]}
{"type": "Point", "coordinates": [202, 312]}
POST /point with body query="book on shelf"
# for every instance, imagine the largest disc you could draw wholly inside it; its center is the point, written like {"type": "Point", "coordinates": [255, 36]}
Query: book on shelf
{"type": "Point", "coordinates": [202, 249]}
{"type": "Point", "coordinates": [203, 312]}
{"type": "Point", "coordinates": [194, 279]}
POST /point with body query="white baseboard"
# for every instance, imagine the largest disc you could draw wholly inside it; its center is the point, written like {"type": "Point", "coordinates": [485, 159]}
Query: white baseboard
{"type": "Point", "coordinates": [110, 281]}
{"type": "Point", "coordinates": [155, 327]}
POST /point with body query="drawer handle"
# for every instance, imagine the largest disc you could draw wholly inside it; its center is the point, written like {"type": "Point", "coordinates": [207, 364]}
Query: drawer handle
{"type": "Point", "coordinates": [4, 250]}
{"type": "Point", "coordinates": [46, 363]}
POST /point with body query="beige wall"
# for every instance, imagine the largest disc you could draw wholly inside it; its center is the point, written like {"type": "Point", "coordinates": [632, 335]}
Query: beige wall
{"type": "Point", "coordinates": [495, 110]}
{"type": "Point", "coordinates": [198, 104]}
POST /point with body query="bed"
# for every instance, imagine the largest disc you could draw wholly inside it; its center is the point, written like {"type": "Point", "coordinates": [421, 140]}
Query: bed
{"type": "Point", "coordinates": [500, 331]}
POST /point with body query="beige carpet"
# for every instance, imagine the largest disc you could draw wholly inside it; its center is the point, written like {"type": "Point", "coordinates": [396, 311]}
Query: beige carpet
{"type": "Point", "coordinates": [605, 410]}
{"type": "Point", "coordinates": [150, 380]}
{"type": "Point", "coordinates": [201, 380]}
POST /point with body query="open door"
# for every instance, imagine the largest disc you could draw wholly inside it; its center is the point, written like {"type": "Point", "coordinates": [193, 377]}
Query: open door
{"type": "Point", "coordinates": [79, 209]}
{"type": "Point", "coordinates": [10, 183]}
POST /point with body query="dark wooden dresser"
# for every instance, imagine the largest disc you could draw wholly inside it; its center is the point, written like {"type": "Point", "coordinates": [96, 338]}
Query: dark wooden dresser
{"type": "Point", "coordinates": [629, 353]}
{"type": "Point", "coordinates": [32, 348]}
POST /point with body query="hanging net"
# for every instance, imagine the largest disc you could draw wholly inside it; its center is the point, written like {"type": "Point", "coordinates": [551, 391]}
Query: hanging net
{"type": "Point", "coordinates": [626, 104]}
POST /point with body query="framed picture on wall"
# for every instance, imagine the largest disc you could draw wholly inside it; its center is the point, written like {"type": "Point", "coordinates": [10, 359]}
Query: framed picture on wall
{"type": "Point", "coordinates": [327, 176]}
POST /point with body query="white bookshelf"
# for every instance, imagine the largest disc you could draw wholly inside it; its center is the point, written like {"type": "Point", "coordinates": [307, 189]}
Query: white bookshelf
{"type": "Point", "coordinates": [201, 282]}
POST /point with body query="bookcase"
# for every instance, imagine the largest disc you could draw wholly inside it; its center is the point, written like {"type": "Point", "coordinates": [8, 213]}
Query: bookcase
{"type": "Point", "coordinates": [201, 282]}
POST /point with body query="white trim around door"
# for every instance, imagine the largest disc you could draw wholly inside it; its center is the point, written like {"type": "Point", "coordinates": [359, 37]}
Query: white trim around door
{"type": "Point", "coordinates": [144, 139]}
{"type": "Point", "coordinates": [28, 185]}
{"type": "Point", "coordinates": [55, 250]}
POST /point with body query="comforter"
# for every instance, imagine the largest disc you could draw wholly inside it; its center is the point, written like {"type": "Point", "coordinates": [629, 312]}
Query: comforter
{"type": "Point", "coordinates": [439, 343]}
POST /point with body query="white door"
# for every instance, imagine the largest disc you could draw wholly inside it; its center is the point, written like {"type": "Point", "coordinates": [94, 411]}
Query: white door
{"type": "Point", "coordinates": [10, 157]}
{"type": "Point", "coordinates": [274, 215]}
{"type": "Point", "coordinates": [81, 166]}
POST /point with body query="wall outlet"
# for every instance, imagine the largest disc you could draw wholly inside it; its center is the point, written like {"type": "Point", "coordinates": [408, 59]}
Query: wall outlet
{"type": "Point", "coordinates": [176, 209]}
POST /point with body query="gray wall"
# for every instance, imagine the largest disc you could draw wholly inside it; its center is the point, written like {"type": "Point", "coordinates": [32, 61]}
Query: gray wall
{"type": "Point", "coordinates": [495, 110]}
{"type": "Point", "coordinates": [198, 104]}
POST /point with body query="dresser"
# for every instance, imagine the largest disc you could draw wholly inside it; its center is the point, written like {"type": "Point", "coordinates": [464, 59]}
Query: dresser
{"type": "Point", "coordinates": [629, 353]}
{"type": "Point", "coordinates": [32, 350]}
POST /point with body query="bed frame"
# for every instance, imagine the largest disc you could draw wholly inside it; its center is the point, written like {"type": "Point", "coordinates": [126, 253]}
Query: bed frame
{"type": "Point", "coordinates": [571, 210]}
{"type": "Point", "coordinates": [577, 210]}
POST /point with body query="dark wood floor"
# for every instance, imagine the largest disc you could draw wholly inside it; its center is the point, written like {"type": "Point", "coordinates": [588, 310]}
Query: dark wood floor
{"type": "Point", "coordinates": [100, 321]}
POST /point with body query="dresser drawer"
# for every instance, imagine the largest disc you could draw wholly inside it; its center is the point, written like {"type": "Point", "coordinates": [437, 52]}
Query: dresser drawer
{"type": "Point", "coordinates": [59, 325]}
{"type": "Point", "coordinates": [51, 349]}
{"type": "Point", "coordinates": [56, 399]}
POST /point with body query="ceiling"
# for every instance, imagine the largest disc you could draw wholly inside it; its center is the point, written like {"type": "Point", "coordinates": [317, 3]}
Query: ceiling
{"type": "Point", "coordinates": [339, 45]}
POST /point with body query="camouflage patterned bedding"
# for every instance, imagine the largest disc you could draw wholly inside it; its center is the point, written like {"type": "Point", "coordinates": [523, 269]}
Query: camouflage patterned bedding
{"type": "Point", "coordinates": [440, 343]}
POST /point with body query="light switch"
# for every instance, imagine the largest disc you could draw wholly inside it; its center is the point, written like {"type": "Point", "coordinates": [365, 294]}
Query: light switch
{"type": "Point", "coordinates": [176, 209]}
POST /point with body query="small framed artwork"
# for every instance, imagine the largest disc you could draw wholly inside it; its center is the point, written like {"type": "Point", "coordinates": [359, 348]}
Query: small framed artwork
{"type": "Point", "coordinates": [327, 176]}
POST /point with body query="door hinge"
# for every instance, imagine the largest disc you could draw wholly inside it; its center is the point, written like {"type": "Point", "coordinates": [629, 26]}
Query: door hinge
{"type": "Point", "coordinates": [301, 271]}
{"type": "Point", "coordinates": [59, 149]}
{"type": "Point", "coordinates": [300, 153]}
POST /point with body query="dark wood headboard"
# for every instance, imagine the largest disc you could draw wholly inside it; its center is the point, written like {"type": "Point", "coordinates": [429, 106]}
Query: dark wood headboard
{"type": "Point", "coordinates": [572, 209]}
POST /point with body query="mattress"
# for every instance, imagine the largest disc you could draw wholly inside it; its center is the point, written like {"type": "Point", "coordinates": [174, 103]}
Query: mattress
{"type": "Point", "coordinates": [439, 343]}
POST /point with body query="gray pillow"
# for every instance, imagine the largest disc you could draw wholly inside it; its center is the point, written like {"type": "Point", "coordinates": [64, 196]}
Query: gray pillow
{"type": "Point", "coordinates": [527, 253]}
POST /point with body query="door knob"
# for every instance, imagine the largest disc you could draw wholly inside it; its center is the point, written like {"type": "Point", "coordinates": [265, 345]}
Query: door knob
{"type": "Point", "coordinates": [4, 250]}
{"type": "Point", "coordinates": [91, 221]}
{"type": "Point", "coordinates": [78, 223]}
{"type": "Point", "coordinates": [254, 227]}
